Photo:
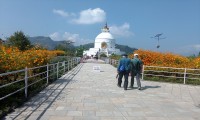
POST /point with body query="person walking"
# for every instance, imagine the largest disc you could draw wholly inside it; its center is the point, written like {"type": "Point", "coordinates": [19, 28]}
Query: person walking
{"type": "Point", "coordinates": [136, 69]}
{"type": "Point", "coordinates": [123, 69]}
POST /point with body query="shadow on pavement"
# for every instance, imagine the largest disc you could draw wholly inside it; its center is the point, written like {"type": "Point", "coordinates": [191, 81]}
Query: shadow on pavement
{"type": "Point", "coordinates": [149, 87]}
{"type": "Point", "coordinates": [144, 88]}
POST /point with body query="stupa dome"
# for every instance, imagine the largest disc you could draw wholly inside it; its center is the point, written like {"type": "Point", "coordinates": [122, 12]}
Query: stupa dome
{"type": "Point", "coordinates": [104, 36]}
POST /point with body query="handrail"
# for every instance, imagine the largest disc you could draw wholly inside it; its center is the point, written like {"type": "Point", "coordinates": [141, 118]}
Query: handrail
{"type": "Point", "coordinates": [13, 72]}
{"type": "Point", "coordinates": [37, 67]}
{"type": "Point", "coordinates": [56, 68]}
{"type": "Point", "coordinates": [183, 73]}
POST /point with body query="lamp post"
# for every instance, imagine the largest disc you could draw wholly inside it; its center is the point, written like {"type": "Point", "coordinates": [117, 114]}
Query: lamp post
{"type": "Point", "coordinates": [157, 36]}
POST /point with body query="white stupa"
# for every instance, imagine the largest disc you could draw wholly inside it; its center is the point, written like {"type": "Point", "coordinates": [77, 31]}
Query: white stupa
{"type": "Point", "coordinates": [104, 43]}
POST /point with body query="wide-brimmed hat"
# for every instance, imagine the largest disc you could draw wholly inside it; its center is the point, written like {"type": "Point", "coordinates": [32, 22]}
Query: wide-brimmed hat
{"type": "Point", "coordinates": [135, 54]}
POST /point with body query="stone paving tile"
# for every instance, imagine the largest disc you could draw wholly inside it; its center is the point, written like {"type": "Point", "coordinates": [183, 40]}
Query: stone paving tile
{"type": "Point", "coordinates": [156, 118]}
{"type": "Point", "coordinates": [94, 95]}
{"type": "Point", "coordinates": [87, 118]}
{"type": "Point", "coordinates": [135, 118]}
{"type": "Point", "coordinates": [104, 113]}
{"type": "Point", "coordinates": [74, 113]}
{"type": "Point", "coordinates": [113, 118]}
{"type": "Point", "coordinates": [89, 113]}
{"type": "Point", "coordinates": [60, 118]}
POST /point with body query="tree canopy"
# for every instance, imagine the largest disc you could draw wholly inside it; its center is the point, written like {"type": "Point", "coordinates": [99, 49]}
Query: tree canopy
{"type": "Point", "coordinates": [19, 40]}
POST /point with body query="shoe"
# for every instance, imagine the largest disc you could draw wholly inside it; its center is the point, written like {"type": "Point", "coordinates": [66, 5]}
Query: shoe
{"type": "Point", "coordinates": [125, 88]}
{"type": "Point", "coordinates": [118, 85]}
{"type": "Point", "coordinates": [139, 88]}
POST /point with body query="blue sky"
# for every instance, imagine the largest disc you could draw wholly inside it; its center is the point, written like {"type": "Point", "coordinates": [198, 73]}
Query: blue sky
{"type": "Point", "coordinates": [132, 22]}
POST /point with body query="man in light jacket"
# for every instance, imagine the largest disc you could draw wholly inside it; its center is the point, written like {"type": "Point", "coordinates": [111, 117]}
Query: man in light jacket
{"type": "Point", "coordinates": [136, 69]}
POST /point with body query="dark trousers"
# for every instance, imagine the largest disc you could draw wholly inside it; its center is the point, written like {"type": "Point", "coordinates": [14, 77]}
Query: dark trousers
{"type": "Point", "coordinates": [132, 78]}
{"type": "Point", "coordinates": [125, 74]}
{"type": "Point", "coordinates": [137, 79]}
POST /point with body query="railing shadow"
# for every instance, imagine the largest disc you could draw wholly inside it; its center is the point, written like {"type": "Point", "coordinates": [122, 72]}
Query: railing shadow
{"type": "Point", "coordinates": [46, 94]}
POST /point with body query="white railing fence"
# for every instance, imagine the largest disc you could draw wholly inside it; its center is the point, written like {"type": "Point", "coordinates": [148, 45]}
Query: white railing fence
{"type": "Point", "coordinates": [183, 74]}
{"type": "Point", "coordinates": [30, 76]}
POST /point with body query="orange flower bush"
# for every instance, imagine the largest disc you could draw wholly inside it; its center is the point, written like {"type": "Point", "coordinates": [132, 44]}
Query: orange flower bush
{"type": "Point", "coordinates": [166, 59]}
{"type": "Point", "coordinates": [197, 62]}
{"type": "Point", "coordinates": [12, 58]}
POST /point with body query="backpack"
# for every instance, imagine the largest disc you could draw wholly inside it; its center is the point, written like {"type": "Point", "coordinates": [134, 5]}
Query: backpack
{"type": "Point", "coordinates": [122, 68]}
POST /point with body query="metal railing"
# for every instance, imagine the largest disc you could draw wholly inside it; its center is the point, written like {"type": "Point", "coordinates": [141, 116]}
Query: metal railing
{"type": "Point", "coordinates": [30, 76]}
{"type": "Point", "coordinates": [167, 72]}
{"type": "Point", "coordinates": [170, 72]}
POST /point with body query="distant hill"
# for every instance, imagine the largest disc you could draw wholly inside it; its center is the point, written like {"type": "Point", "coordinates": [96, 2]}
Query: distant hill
{"type": "Point", "coordinates": [50, 44]}
{"type": "Point", "coordinates": [46, 42]}
{"type": "Point", "coordinates": [125, 48]}
{"type": "Point", "coordinates": [87, 46]}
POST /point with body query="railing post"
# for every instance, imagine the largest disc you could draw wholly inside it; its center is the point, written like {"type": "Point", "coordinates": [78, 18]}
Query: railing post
{"type": "Point", "coordinates": [64, 66]}
{"type": "Point", "coordinates": [143, 72]}
{"type": "Point", "coordinates": [74, 61]}
{"type": "Point", "coordinates": [47, 73]}
{"type": "Point", "coordinates": [71, 63]}
{"type": "Point", "coordinates": [54, 71]}
{"type": "Point", "coordinates": [57, 69]}
{"type": "Point", "coordinates": [68, 65]}
{"type": "Point", "coordinates": [185, 75]}
{"type": "Point", "coordinates": [26, 82]}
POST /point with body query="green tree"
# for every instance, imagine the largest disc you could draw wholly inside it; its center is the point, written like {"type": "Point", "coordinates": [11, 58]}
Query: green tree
{"type": "Point", "coordinates": [19, 40]}
{"type": "Point", "coordinates": [79, 51]}
{"type": "Point", "coordinates": [61, 47]}
{"type": "Point", "coordinates": [68, 48]}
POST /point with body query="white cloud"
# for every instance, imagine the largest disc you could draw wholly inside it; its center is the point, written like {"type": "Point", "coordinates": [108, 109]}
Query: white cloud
{"type": "Point", "coordinates": [91, 16]}
{"type": "Point", "coordinates": [121, 31]}
{"type": "Point", "coordinates": [61, 13]}
{"type": "Point", "coordinates": [55, 36]}
{"type": "Point", "coordinates": [69, 36]}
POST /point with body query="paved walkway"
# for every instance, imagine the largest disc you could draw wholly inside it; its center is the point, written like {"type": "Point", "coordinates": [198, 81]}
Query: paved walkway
{"type": "Point", "coordinates": [85, 94]}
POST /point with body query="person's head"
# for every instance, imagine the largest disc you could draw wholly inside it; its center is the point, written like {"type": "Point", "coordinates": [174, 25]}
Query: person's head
{"type": "Point", "coordinates": [135, 55]}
